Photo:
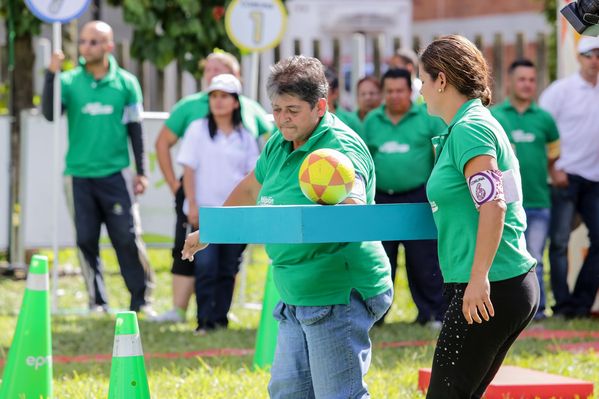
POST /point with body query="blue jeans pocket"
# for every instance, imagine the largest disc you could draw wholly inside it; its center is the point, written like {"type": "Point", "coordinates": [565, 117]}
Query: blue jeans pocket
{"type": "Point", "coordinates": [278, 311]}
{"type": "Point", "coordinates": [308, 315]}
{"type": "Point", "coordinates": [379, 304]}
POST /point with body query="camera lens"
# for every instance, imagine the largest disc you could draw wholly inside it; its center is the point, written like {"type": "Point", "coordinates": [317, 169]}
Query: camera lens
{"type": "Point", "coordinates": [589, 6]}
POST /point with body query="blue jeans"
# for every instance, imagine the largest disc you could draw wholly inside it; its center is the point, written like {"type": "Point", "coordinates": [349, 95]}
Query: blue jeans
{"type": "Point", "coordinates": [537, 230]}
{"type": "Point", "coordinates": [215, 268]}
{"type": "Point", "coordinates": [580, 196]}
{"type": "Point", "coordinates": [324, 351]}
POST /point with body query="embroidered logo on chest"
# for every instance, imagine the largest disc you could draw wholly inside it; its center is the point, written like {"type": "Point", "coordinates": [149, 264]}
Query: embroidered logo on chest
{"type": "Point", "coordinates": [266, 200]}
{"type": "Point", "coordinates": [96, 108]}
{"type": "Point", "coordinates": [520, 136]}
{"type": "Point", "coordinates": [392, 147]}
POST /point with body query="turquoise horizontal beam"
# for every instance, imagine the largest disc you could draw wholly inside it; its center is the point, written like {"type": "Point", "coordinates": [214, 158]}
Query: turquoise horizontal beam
{"type": "Point", "coordinates": [316, 223]}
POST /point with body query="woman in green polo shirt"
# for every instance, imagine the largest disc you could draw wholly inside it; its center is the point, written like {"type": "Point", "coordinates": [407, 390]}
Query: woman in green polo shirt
{"type": "Point", "coordinates": [331, 293]}
{"type": "Point", "coordinates": [473, 190]}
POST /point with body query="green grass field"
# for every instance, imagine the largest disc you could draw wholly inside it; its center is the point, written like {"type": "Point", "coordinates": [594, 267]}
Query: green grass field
{"type": "Point", "coordinates": [393, 373]}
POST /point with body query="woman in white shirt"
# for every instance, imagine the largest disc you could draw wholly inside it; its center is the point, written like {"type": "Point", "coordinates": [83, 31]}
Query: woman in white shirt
{"type": "Point", "coordinates": [216, 153]}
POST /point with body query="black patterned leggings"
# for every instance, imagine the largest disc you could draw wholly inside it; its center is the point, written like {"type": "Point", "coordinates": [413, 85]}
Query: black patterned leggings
{"type": "Point", "coordinates": [467, 357]}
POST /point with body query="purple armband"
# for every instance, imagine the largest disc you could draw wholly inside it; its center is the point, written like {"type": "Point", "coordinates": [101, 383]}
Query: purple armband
{"type": "Point", "coordinates": [486, 186]}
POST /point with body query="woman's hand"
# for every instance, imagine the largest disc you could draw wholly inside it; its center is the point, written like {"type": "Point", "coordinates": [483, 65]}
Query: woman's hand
{"type": "Point", "coordinates": [477, 300]}
{"type": "Point", "coordinates": [193, 214]}
{"type": "Point", "coordinates": [192, 245]}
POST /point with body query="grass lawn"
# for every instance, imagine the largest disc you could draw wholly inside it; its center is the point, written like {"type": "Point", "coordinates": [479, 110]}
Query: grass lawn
{"type": "Point", "coordinates": [393, 373]}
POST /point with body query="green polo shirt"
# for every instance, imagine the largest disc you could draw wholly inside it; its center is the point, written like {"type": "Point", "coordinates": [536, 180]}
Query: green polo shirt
{"type": "Point", "coordinates": [530, 132]}
{"type": "Point", "coordinates": [196, 106]}
{"type": "Point", "coordinates": [350, 119]}
{"type": "Point", "coordinates": [473, 132]}
{"type": "Point", "coordinates": [403, 152]}
{"type": "Point", "coordinates": [320, 274]}
{"type": "Point", "coordinates": [98, 138]}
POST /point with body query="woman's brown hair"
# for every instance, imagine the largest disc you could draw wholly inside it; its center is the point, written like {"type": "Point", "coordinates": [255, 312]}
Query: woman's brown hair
{"type": "Point", "coordinates": [462, 63]}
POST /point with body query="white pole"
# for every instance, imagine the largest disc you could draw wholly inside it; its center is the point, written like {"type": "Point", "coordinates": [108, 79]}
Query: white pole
{"type": "Point", "coordinates": [57, 46]}
{"type": "Point", "coordinates": [358, 64]}
{"type": "Point", "coordinates": [255, 74]}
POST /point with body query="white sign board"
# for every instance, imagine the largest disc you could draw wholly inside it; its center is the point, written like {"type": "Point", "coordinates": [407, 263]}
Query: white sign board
{"type": "Point", "coordinates": [255, 25]}
{"type": "Point", "coordinates": [156, 204]}
{"type": "Point", "coordinates": [57, 10]}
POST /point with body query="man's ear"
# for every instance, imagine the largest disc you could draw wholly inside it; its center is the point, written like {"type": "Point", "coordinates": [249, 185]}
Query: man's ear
{"type": "Point", "coordinates": [321, 106]}
{"type": "Point", "coordinates": [109, 46]}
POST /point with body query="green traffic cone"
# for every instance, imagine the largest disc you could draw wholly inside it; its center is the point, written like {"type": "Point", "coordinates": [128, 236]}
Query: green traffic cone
{"type": "Point", "coordinates": [28, 370]}
{"type": "Point", "coordinates": [128, 378]}
{"type": "Point", "coordinates": [266, 339]}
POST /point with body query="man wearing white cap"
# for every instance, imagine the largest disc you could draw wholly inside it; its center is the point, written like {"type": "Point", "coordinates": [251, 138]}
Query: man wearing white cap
{"type": "Point", "coordinates": [217, 152]}
{"type": "Point", "coordinates": [574, 103]}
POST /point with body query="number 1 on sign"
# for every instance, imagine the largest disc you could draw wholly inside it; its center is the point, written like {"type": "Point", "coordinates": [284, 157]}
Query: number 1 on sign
{"type": "Point", "coordinates": [258, 19]}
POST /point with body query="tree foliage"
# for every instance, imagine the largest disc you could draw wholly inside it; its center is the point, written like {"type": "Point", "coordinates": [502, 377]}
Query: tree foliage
{"type": "Point", "coordinates": [25, 23]}
{"type": "Point", "coordinates": [551, 16]}
{"type": "Point", "coordinates": [25, 26]}
{"type": "Point", "coordinates": [182, 30]}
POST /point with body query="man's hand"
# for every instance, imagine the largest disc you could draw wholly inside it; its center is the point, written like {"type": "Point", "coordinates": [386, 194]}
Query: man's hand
{"type": "Point", "coordinates": [559, 178]}
{"type": "Point", "coordinates": [192, 245]}
{"type": "Point", "coordinates": [140, 183]}
{"type": "Point", "coordinates": [56, 61]}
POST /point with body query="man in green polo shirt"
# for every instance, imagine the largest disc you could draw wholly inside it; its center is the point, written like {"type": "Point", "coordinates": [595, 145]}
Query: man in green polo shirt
{"type": "Point", "coordinates": [103, 104]}
{"type": "Point", "coordinates": [187, 110]}
{"type": "Point", "coordinates": [398, 134]}
{"type": "Point", "coordinates": [331, 293]}
{"type": "Point", "coordinates": [534, 135]}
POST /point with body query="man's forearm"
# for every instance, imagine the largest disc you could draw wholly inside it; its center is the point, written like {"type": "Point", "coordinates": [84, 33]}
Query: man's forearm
{"type": "Point", "coordinates": [48, 96]}
{"type": "Point", "coordinates": [137, 144]}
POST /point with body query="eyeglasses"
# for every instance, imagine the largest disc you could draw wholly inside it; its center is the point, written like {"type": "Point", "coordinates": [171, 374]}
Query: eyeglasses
{"type": "Point", "coordinates": [91, 42]}
{"type": "Point", "coordinates": [591, 53]}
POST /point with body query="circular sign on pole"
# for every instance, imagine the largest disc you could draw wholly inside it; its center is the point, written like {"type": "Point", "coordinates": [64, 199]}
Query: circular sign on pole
{"type": "Point", "coordinates": [256, 25]}
{"type": "Point", "coordinates": [57, 10]}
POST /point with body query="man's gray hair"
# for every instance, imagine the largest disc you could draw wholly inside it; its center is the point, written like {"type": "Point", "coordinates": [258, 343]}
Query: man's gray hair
{"type": "Point", "coordinates": [298, 76]}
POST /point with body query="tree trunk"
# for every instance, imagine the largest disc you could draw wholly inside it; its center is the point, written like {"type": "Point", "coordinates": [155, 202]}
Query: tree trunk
{"type": "Point", "coordinates": [22, 98]}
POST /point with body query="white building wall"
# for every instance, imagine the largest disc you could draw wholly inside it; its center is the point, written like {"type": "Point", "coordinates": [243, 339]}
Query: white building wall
{"type": "Point", "coordinates": [530, 24]}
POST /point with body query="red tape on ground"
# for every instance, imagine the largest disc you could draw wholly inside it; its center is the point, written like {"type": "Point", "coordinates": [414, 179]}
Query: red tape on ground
{"type": "Point", "coordinates": [224, 352]}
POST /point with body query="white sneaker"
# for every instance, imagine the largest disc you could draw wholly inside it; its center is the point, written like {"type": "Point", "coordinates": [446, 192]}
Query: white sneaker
{"type": "Point", "coordinates": [170, 316]}
{"type": "Point", "coordinates": [147, 311]}
{"type": "Point", "coordinates": [99, 310]}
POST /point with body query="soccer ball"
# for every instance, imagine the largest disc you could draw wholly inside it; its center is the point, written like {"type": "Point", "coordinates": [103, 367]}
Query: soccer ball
{"type": "Point", "coordinates": [326, 176]}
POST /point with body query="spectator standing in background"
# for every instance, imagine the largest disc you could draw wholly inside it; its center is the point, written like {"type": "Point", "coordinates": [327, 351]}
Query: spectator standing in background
{"type": "Point", "coordinates": [103, 103]}
{"type": "Point", "coordinates": [398, 135]}
{"type": "Point", "coordinates": [533, 133]}
{"type": "Point", "coordinates": [573, 103]}
{"type": "Point", "coordinates": [369, 96]}
{"type": "Point", "coordinates": [217, 152]}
